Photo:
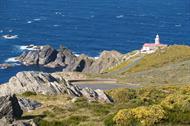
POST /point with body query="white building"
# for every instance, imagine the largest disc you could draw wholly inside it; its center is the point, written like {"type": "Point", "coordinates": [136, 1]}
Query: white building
{"type": "Point", "coordinates": [152, 47]}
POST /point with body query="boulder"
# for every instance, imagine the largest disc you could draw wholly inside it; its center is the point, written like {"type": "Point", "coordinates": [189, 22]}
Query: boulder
{"type": "Point", "coordinates": [29, 57]}
{"type": "Point", "coordinates": [81, 64]}
{"type": "Point", "coordinates": [47, 54]}
{"type": "Point", "coordinates": [45, 83]}
{"type": "Point", "coordinates": [96, 95]}
{"type": "Point", "coordinates": [37, 82]}
{"type": "Point", "coordinates": [63, 59]}
{"type": "Point", "coordinates": [42, 55]}
{"type": "Point", "coordinates": [5, 66]}
{"type": "Point", "coordinates": [27, 104]}
{"type": "Point", "coordinates": [107, 59]}
{"type": "Point", "coordinates": [9, 108]}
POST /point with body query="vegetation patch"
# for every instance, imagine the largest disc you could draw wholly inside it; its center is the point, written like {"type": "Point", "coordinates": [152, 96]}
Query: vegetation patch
{"type": "Point", "coordinates": [28, 93]}
{"type": "Point", "coordinates": [171, 54]}
{"type": "Point", "coordinates": [166, 105]}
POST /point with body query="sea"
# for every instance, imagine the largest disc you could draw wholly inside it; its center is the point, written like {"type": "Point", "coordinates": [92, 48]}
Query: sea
{"type": "Point", "coordinates": [88, 26]}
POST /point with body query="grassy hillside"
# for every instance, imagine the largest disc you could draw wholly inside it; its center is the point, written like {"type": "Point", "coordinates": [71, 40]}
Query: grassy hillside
{"type": "Point", "coordinates": [167, 105]}
{"type": "Point", "coordinates": [166, 66]}
{"type": "Point", "coordinates": [171, 54]}
{"type": "Point", "coordinates": [177, 73]}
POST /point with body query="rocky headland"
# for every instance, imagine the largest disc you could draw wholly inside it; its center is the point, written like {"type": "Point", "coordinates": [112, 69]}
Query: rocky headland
{"type": "Point", "coordinates": [39, 83]}
{"type": "Point", "coordinates": [47, 56]}
{"type": "Point", "coordinates": [53, 100]}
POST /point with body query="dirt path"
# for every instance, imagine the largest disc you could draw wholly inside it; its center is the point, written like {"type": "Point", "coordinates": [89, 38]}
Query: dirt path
{"type": "Point", "coordinates": [107, 86]}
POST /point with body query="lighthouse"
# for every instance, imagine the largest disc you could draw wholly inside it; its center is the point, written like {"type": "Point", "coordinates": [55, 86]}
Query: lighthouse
{"type": "Point", "coordinates": [152, 47]}
{"type": "Point", "coordinates": [157, 40]}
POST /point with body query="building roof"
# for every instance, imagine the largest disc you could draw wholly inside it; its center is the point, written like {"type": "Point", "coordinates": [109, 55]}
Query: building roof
{"type": "Point", "coordinates": [153, 45]}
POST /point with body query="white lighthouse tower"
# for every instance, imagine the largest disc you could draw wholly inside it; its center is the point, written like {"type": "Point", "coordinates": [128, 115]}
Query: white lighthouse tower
{"type": "Point", "coordinates": [157, 39]}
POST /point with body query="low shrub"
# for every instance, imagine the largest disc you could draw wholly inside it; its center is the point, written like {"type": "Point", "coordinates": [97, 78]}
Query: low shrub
{"type": "Point", "coordinates": [177, 102]}
{"type": "Point", "coordinates": [122, 95]}
{"type": "Point", "coordinates": [108, 121]}
{"type": "Point", "coordinates": [28, 93]}
{"type": "Point", "coordinates": [144, 116]}
{"type": "Point", "coordinates": [70, 121]}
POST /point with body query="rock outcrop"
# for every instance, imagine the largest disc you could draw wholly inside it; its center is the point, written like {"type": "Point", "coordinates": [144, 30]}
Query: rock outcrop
{"type": "Point", "coordinates": [27, 104]}
{"type": "Point", "coordinates": [9, 108]}
{"type": "Point", "coordinates": [49, 57]}
{"type": "Point", "coordinates": [41, 56]}
{"type": "Point", "coordinates": [107, 59]}
{"type": "Point", "coordinates": [45, 83]}
{"type": "Point", "coordinates": [37, 82]}
{"type": "Point", "coordinates": [5, 66]}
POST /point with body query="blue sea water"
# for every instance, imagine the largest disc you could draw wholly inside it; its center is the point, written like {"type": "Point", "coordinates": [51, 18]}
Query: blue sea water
{"type": "Point", "coordinates": [90, 26]}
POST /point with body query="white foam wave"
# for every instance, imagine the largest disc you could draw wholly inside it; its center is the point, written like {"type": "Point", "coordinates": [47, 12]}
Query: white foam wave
{"type": "Point", "coordinates": [120, 16]}
{"type": "Point", "coordinates": [29, 22]}
{"type": "Point", "coordinates": [10, 36]}
{"type": "Point", "coordinates": [77, 55]}
{"type": "Point", "coordinates": [56, 25]}
{"type": "Point", "coordinates": [37, 19]}
{"type": "Point", "coordinates": [10, 30]}
{"type": "Point", "coordinates": [27, 47]}
{"type": "Point", "coordinates": [178, 25]}
{"type": "Point", "coordinates": [58, 13]}
{"type": "Point", "coordinates": [97, 57]}
{"type": "Point", "coordinates": [11, 60]}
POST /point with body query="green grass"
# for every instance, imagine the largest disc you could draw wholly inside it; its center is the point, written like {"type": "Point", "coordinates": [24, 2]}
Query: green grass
{"type": "Point", "coordinates": [171, 54]}
{"type": "Point", "coordinates": [60, 111]}
{"type": "Point", "coordinates": [28, 93]}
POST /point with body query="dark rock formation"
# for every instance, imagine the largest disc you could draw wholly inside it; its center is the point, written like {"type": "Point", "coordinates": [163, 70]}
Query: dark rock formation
{"type": "Point", "coordinates": [9, 108]}
{"type": "Point", "coordinates": [27, 104]}
{"type": "Point", "coordinates": [42, 56]}
{"type": "Point", "coordinates": [44, 83]}
{"type": "Point", "coordinates": [37, 82]}
{"type": "Point", "coordinates": [64, 58]}
{"type": "Point", "coordinates": [81, 64]}
{"type": "Point", "coordinates": [49, 57]}
{"type": "Point", "coordinates": [5, 66]}
{"type": "Point", "coordinates": [107, 59]}
{"type": "Point", "coordinates": [47, 54]}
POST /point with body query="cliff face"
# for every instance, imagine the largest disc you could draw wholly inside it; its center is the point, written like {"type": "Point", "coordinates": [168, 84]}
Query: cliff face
{"type": "Point", "coordinates": [45, 83]}
{"type": "Point", "coordinates": [49, 57]}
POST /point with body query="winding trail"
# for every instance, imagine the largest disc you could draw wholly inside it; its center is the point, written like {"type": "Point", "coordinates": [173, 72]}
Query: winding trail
{"type": "Point", "coordinates": [126, 68]}
{"type": "Point", "coordinates": [108, 86]}
{"type": "Point", "coordinates": [104, 84]}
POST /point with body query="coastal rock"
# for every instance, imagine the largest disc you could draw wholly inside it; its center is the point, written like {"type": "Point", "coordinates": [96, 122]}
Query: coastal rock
{"type": "Point", "coordinates": [37, 82]}
{"type": "Point", "coordinates": [90, 65]}
{"type": "Point", "coordinates": [107, 59]}
{"type": "Point", "coordinates": [42, 56]}
{"type": "Point", "coordinates": [96, 95]}
{"type": "Point", "coordinates": [82, 64]}
{"type": "Point", "coordinates": [9, 108]}
{"type": "Point", "coordinates": [45, 83]}
{"type": "Point", "coordinates": [47, 54]}
{"type": "Point", "coordinates": [64, 58]}
{"type": "Point", "coordinates": [27, 104]}
{"type": "Point", "coordinates": [30, 122]}
{"type": "Point", "coordinates": [5, 66]}
{"type": "Point", "coordinates": [102, 97]}
{"type": "Point", "coordinates": [49, 57]}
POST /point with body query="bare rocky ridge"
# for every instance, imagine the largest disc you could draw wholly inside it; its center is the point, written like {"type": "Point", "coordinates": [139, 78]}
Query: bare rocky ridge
{"type": "Point", "coordinates": [9, 108]}
{"type": "Point", "coordinates": [49, 57]}
{"type": "Point", "coordinates": [11, 111]}
{"type": "Point", "coordinates": [45, 83]}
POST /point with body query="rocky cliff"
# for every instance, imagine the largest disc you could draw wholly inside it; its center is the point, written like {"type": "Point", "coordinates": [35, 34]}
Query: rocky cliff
{"type": "Point", "coordinates": [49, 57]}
{"type": "Point", "coordinates": [45, 83]}
{"type": "Point", "coordinates": [9, 108]}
